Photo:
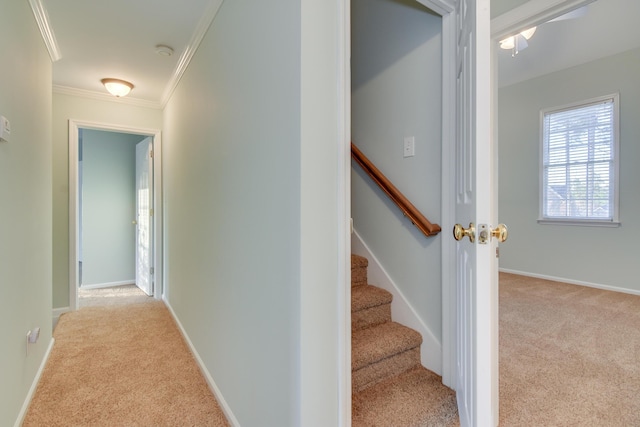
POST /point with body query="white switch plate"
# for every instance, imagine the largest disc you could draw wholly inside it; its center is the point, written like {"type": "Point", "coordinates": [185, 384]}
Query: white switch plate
{"type": "Point", "coordinates": [5, 129]}
{"type": "Point", "coordinates": [409, 146]}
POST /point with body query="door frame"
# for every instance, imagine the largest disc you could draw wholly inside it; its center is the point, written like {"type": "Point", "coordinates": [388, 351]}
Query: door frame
{"type": "Point", "coordinates": [449, 308]}
{"type": "Point", "coordinates": [74, 128]}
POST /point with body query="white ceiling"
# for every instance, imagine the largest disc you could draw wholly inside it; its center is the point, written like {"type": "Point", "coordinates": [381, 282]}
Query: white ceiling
{"type": "Point", "coordinates": [607, 28]}
{"type": "Point", "coordinates": [117, 39]}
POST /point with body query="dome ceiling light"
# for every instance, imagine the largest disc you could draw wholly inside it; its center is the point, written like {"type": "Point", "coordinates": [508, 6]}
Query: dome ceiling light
{"type": "Point", "coordinates": [117, 87]}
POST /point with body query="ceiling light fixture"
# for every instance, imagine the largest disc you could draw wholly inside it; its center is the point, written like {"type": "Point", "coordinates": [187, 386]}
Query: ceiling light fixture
{"type": "Point", "coordinates": [518, 42]}
{"type": "Point", "coordinates": [116, 87]}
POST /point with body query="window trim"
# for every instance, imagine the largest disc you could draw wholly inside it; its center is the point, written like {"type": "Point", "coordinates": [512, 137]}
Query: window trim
{"type": "Point", "coordinates": [593, 222]}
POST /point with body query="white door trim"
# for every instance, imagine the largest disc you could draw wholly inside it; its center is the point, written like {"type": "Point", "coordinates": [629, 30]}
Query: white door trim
{"type": "Point", "coordinates": [449, 308]}
{"type": "Point", "coordinates": [74, 127]}
{"type": "Point", "coordinates": [441, 7]}
{"type": "Point", "coordinates": [344, 211]}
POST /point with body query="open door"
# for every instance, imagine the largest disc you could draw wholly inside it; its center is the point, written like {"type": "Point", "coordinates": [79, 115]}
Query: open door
{"type": "Point", "coordinates": [476, 275]}
{"type": "Point", "coordinates": [144, 216]}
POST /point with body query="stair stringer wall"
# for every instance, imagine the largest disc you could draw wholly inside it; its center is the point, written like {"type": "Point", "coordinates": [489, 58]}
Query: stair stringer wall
{"type": "Point", "coordinates": [401, 309]}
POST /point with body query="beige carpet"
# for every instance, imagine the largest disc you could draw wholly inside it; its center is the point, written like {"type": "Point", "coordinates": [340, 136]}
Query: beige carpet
{"type": "Point", "coordinates": [117, 295]}
{"type": "Point", "coordinates": [569, 355]}
{"type": "Point", "coordinates": [414, 398]}
{"type": "Point", "coordinates": [122, 365]}
{"type": "Point", "coordinates": [390, 386]}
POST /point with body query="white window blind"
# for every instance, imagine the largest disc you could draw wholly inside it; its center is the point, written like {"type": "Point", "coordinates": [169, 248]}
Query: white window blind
{"type": "Point", "coordinates": [579, 162]}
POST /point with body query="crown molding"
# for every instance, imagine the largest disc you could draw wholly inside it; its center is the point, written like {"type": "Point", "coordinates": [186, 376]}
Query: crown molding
{"type": "Point", "coordinates": [199, 33]}
{"type": "Point", "coordinates": [46, 30]}
{"type": "Point", "coordinates": [99, 96]}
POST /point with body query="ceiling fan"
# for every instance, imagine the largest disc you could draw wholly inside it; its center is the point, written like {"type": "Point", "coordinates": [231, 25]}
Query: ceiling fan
{"type": "Point", "coordinates": [519, 42]}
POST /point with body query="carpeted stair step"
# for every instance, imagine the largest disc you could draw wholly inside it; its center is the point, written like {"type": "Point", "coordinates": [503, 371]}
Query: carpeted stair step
{"type": "Point", "coordinates": [381, 352]}
{"type": "Point", "coordinates": [416, 397]}
{"type": "Point", "coordinates": [358, 270]}
{"type": "Point", "coordinates": [370, 306]}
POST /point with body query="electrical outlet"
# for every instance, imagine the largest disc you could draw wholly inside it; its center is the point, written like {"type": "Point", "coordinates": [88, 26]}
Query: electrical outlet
{"type": "Point", "coordinates": [34, 335]}
{"type": "Point", "coordinates": [409, 146]}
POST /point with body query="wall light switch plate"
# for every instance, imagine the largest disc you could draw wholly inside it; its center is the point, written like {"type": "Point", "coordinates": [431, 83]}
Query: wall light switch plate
{"type": "Point", "coordinates": [409, 146]}
{"type": "Point", "coordinates": [5, 129]}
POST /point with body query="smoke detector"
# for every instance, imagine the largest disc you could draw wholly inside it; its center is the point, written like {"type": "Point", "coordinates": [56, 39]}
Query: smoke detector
{"type": "Point", "coordinates": [163, 50]}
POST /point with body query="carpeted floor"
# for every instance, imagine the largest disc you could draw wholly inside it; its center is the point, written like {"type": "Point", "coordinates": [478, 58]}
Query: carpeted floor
{"type": "Point", "coordinates": [122, 365]}
{"type": "Point", "coordinates": [117, 295]}
{"type": "Point", "coordinates": [569, 355]}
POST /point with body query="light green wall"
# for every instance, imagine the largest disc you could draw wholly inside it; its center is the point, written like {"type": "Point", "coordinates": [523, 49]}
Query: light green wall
{"type": "Point", "coordinates": [232, 199]}
{"type": "Point", "coordinates": [65, 108]}
{"type": "Point", "coordinates": [397, 78]}
{"type": "Point", "coordinates": [254, 268]}
{"type": "Point", "coordinates": [25, 205]}
{"type": "Point", "coordinates": [108, 207]}
{"type": "Point", "coordinates": [604, 256]}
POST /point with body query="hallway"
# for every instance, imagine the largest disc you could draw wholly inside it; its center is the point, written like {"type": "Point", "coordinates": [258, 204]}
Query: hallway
{"type": "Point", "coordinates": [121, 360]}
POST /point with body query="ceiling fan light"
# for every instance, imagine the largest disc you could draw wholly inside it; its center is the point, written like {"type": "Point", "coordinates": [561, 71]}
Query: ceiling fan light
{"type": "Point", "coordinates": [527, 34]}
{"type": "Point", "coordinates": [508, 43]}
{"type": "Point", "coordinates": [116, 87]}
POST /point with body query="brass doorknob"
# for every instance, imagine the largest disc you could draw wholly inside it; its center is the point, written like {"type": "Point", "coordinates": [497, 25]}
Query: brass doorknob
{"type": "Point", "coordinates": [459, 232]}
{"type": "Point", "coordinates": [500, 232]}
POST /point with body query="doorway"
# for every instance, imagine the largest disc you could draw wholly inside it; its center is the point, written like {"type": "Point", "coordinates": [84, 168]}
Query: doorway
{"type": "Point", "coordinates": [109, 239]}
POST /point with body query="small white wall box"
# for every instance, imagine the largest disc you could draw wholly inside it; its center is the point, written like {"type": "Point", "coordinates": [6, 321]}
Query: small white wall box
{"type": "Point", "coordinates": [34, 335]}
{"type": "Point", "coordinates": [5, 129]}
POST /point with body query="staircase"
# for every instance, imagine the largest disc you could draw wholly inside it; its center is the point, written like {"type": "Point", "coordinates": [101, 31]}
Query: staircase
{"type": "Point", "coordinates": [390, 386]}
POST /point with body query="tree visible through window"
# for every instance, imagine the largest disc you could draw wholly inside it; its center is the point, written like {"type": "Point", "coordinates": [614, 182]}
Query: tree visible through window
{"type": "Point", "coordinates": [580, 161]}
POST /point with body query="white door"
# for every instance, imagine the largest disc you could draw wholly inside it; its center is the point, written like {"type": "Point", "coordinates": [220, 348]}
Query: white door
{"type": "Point", "coordinates": [144, 216]}
{"type": "Point", "coordinates": [476, 276]}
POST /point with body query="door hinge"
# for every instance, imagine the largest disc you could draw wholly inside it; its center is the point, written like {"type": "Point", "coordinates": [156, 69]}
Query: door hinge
{"type": "Point", "coordinates": [152, 271]}
{"type": "Point", "coordinates": [150, 212]}
{"type": "Point", "coordinates": [151, 154]}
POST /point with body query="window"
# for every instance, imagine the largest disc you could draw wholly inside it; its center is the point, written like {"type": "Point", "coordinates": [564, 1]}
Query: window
{"type": "Point", "coordinates": [579, 163]}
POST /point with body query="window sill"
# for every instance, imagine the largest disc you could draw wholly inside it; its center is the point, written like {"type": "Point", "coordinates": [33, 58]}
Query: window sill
{"type": "Point", "coordinates": [580, 222]}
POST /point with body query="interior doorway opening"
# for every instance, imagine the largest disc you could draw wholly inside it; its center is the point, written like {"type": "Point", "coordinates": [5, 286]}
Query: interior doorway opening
{"type": "Point", "coordinates": [115, 221]}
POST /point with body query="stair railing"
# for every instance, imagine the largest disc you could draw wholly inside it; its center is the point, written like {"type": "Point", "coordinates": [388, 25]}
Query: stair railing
{"type": "Point", "coordinates": [417, 218]}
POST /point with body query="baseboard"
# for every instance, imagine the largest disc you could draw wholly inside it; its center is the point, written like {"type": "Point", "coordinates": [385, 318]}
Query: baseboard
{"type": "Point", "coordinates": [109, 285]}
{"type": "Point", "coordinates": [401, 309]}
{"type": "Point", "coordinates": [56, 313]}
{"type": "Point", "coordinates": [212, 385]}
{"type": "Point", "coordinates": [34, 385]}
{"type": "Point", "coordinates": [571, 281]}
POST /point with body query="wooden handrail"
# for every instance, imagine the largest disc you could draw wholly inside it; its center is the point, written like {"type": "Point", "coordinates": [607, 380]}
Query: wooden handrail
{"type": "Point", "coordinates": [394, 194]}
